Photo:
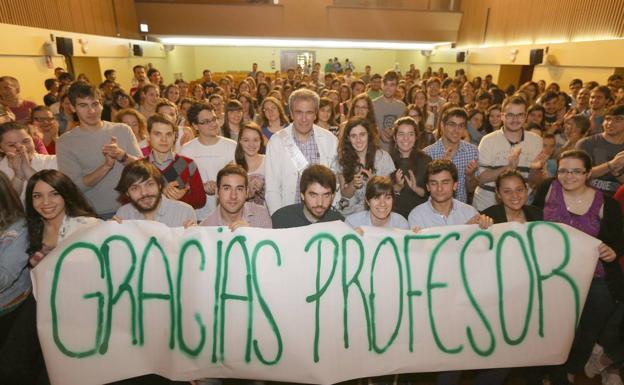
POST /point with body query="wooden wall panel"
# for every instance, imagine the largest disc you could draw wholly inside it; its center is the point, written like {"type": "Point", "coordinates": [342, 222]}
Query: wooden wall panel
{"type": "Point", "coordinates": [97, 17]}
{"type": "Point", "coordinates": [536, 21]}
{"type": "Point", "coordinates": [301, 19]}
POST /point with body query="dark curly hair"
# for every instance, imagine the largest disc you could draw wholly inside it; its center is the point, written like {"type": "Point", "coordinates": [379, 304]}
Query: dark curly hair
{"type": "Point", "coordinates": [347, 157]}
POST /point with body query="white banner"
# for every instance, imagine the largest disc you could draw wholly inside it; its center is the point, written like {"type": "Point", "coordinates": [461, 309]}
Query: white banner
{"type": "Point", "coordinates": [315, 304]}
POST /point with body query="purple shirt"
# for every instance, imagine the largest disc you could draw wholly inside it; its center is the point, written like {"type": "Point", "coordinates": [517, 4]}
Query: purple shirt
{"type": "Point", "coordinates": [255, 215]}
{"type": "Point", "coordinates": [555, 210]}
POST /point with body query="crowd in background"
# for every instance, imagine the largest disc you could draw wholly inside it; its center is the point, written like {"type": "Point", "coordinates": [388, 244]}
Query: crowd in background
{"type": "Point", "coordinates": [403, 150]}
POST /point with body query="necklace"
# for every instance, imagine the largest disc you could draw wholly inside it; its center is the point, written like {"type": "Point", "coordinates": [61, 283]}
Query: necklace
{"type": "Point", "coordinates": [573, 203]}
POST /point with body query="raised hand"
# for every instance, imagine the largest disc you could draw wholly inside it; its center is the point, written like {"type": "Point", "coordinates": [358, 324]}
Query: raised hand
{"type": "Point", "coordinates": [113, 150]}
{"type": "Point", "coordinates": [471, 168]}
{"type": "Point", "coordinates": [172, 191]}
{"type": "Point", "coordinates": [514, 157]}
{"type": "Point", "coordinates": [210, 187]}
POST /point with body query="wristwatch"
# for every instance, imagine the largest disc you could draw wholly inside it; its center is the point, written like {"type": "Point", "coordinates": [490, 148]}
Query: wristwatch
{"type": "Point", "coordinates": [123, 158]}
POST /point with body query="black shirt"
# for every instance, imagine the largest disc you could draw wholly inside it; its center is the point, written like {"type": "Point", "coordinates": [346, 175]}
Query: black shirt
{"type": "Point", "coordinates": [293, 216]}
{"type": "Point", "coordinates": [498, 215]}
{"type": "Point", "coordinates": [407, 199]}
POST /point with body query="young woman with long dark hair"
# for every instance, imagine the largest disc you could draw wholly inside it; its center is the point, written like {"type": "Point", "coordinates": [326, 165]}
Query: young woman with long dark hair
{"type": "Point", "coordinates": [359, 159]}
{"type": "Point", "coordinates": [55, 208]}
{"type": "Point", "coordinates": [21, 361]}
{"type": "Point", "coordinates": [411, 166]}
{"type": "Point", "coordinates": [249, 153]}
{"type": "Point", "coordinates": [233, 119]}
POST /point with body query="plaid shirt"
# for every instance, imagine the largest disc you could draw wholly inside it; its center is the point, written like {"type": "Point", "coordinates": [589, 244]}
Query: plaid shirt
{"type": "Point", "coordinates": [310, 151]}
{"type": "Point", "coordinates": [464, 154]}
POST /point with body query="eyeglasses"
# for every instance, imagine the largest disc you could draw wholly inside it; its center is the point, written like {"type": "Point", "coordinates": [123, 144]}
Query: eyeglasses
{"type": "Point", "coordinates": [454, 125]}
{"type": "Point", "coordinates": [614, 119]}
{"type": "Point", "coordinates": [42, 120]}
{"type": "Point", "coordinates": [207, 121]}
{"type": "Point", "coordinates": [512, 116]}
{"type": "Point", "coordinates": [574, 172]}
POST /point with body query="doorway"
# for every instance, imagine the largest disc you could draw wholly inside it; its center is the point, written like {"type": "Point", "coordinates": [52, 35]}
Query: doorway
{"type": "Point", "coordinates": [291, 59]}
{"type": "Point", "coordinates": [89, 66]}
{"type": "Point", "coordinates": [509, 75]}
{"type": "Point", "coordinates": [526, 74]}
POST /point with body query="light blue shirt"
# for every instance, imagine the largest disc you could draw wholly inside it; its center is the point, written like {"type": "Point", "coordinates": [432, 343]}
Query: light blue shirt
{"type": "Point", "coordinates": [425, 215]}
{"type": "Point", "coordinates": [362, 218]}
{"type": "Point", "coordinates": [14, 273]}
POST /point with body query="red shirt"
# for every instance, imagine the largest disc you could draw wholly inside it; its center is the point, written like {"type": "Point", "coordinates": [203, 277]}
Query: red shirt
{"type": "Point", "coordinates": [51, 148]}
{"type": "Point", "coordinates": [22, 112]}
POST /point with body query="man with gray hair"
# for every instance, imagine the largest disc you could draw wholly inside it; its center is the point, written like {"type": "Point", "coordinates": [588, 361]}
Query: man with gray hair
{"type": "Point", "coordinates": [295, 147]}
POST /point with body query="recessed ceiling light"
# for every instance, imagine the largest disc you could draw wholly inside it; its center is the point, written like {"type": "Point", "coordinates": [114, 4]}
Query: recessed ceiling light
{"type": "Point", "coordinates": [298, 43]}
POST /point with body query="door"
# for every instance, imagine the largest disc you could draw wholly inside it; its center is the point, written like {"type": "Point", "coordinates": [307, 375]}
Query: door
{"type": "Point", "coordinates": [526, 74]}
{"type": "Point", "coordinates": [89, 66]}
{"type": "Point", "coordinates": [292, 58]}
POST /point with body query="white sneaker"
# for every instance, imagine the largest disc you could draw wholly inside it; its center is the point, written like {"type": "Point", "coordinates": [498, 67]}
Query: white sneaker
{"type": "Point", "coordinates": [611, 378]}
{"type": "Point", "coordinates": [593, 365]}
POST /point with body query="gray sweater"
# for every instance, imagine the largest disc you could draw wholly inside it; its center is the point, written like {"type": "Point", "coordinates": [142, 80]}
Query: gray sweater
{"type": "Point", "coordinates": [79, 153]}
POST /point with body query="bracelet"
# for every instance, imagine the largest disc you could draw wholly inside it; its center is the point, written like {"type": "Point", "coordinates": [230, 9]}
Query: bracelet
{"type": "Point", "coordinates": [124, 158]}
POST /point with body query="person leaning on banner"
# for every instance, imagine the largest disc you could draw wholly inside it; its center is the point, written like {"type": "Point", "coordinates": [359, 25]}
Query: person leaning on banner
{"type": "Point", "coordinates": [233, 209]}
{"type": "Point", "coordinates": [570, 199]}
{"type": "Point", "coordinates": [292, 149]}
{"type": "Point", "coordinates": [379, 202]}
{"type": "Point", "coordinates": [144, 185]}
{"type": "Point", "coordinates": [443, 210]}
{"type": "Point", "coordinates": [513, 193]}
{"type": "Point", "coordinates": [318, 187]}
{"type": "Point", "coordinates": [21, 361]}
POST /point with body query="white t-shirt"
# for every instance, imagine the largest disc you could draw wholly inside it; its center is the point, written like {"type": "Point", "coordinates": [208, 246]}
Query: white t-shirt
{"type": "Point", "coordinates": [209, 160]}
{"type": "Point", "coordinates": [494, 151]}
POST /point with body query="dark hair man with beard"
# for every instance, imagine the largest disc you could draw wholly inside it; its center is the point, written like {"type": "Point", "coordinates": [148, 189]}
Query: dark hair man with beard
{"type": "Point", "coordinates": [142, 184]}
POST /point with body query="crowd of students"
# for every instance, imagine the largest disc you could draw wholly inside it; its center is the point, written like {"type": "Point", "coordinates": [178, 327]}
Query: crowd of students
{"type": "Point", "coordinates": [406, 151]}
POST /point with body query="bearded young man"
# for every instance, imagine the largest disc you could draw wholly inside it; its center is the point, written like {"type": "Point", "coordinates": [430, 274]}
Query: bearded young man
{"type": "Point", "coordinates": [143, 184]}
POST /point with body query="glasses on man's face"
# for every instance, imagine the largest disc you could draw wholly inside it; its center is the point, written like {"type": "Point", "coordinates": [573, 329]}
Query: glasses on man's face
{"type": "Point", "coordinates": [576, 172]}
{"type": "Point", "coordinates": [43, 120]}
{"type": "Point", "coordinates": [207, 121]}
{"type": "Point", "coordinates": [454, 125]}
{"type": "Point", "coordinates": [512, 116]}
{"type": "Point", "coordinates": [614, 119]}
